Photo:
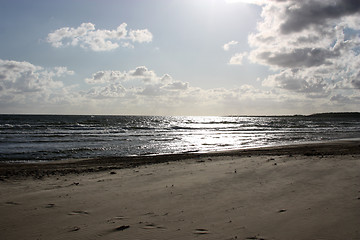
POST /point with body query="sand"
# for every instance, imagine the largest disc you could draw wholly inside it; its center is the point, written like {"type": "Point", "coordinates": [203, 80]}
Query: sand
{"type": "Point", "coordinates": [295, 192]}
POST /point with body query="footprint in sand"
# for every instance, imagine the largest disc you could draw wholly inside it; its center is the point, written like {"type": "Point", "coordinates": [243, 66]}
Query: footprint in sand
{"type": "Point", "coordinates": [122, 228]}
{"type": "Point", "coordinates": [151, 214]}
{"type": "Point", "coordinates": [50, 205]}
{"type": "Point", "coordinates": [117, 218]}
{"type": "Point", "coordinates": [152, 226]}
{"type": "Point", "coordinates": [74, 229]}
{"type": "Point", "coordinates": [78, 213]}
{"type": "Point", "coordinates": [12, 203]}
{"type": "Point", "coordinates": [201, 231]}
{"type": "Point", "coordinates": [255, 238]}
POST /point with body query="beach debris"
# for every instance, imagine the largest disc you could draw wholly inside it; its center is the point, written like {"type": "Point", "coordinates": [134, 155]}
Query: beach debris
{"type": "Point", "coordinates": [201, 231]}
{"type": "Point", "coordinates": [282, 210]}
{"type": "Point", "coordinates": [74, 229]}
{"type": "Point", "coordinates": [122, 228]}
{"type": "Point", "coordinates": [235, 171]}
{"type": "Point", "coordinates": [112, 172]}
{"type": "Point", "coordinates": [50, 205]}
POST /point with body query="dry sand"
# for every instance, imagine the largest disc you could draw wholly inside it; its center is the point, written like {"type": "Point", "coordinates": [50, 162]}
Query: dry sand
{"type": "Point", "coordinates": [296, 192]}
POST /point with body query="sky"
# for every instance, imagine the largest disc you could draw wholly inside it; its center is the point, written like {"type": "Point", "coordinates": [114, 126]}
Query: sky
{"type": "Point", "coordinates": [179, 57]}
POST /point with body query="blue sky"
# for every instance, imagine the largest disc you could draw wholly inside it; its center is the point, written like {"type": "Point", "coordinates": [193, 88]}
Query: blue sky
{"type": "Point", "coordinates": [179, 57]}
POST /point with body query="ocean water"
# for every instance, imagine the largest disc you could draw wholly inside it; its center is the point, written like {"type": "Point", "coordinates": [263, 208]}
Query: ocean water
{"type": "Point", "coordinates": [56, 137]}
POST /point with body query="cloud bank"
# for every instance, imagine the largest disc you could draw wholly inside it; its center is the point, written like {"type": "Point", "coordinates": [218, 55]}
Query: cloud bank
{"type": "Point", "coordinates": [27, 88]}
{"type": "Point", "coordinates": [133, 83]}
{"type": "Point", "coordinates": [312, 46]}
{"type": "Point", "coordinates": [88, 37]}
{"type": "Point", "coordinates": [25, 83]}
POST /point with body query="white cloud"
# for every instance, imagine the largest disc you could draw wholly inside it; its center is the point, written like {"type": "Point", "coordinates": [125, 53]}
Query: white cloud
{"type": "Point", "coordinates": [114, 90]}
{"type": "Point", "coordinates": [137, 82]}
{"type": "Point", "coordinates": [227, 46]}
{"type": "Point", "coordinates": [140, 36]}
{"type": "Point", "coordinates": [142, 72]}
{"type": "Point", "coordinates": [24, 77]}
{"type": "Point", "coordinates": [60, 71]}
{"type": "Point", "coordinates": [303, 33]}
{"type": "Point", "coordinates": [143, 90]}
{"type": "Point", "coordinates": [237, 59]}
{"type": "Point", "coordinates": [25, 84]}
{"type": "Point", "coordinates": [25, 87]}
{"type": "Point", "coordinates": [177, 86]}
{"type": "Point", "coordinates": [88, 37]}
{"type": "Point", "coordinates": [105, 77]}
{"type": "Point", "coordinates": [312, 46]}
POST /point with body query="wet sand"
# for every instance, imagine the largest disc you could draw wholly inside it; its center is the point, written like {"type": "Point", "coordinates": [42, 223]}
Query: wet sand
{"type": "Point", "coordinates": [307, 191]}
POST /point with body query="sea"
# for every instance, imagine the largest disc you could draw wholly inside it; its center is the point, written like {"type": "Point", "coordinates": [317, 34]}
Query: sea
{"type": "Point", "coordinates": [34, 138]}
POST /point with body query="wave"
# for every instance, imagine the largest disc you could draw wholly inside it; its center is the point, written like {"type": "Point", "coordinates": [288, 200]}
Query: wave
{"type": "Point", "coordinates": [59, 137]}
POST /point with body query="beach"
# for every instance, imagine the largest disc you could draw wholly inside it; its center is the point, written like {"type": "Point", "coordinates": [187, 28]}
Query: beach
{"type": "Point", "coordinates": [307, 191]}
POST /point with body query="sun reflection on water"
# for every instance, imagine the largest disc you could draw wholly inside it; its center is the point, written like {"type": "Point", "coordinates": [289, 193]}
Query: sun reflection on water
{"type": "Point", "coordinates": [61, 137]}
{"type": "Point", "coordinates": [205, 134]}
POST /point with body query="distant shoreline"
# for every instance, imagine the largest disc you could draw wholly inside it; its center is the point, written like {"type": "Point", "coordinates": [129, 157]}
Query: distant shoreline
{"type": "Point", "coordinates": [325, 114]}
{"type": "Point", "coordinates": [76, 166]}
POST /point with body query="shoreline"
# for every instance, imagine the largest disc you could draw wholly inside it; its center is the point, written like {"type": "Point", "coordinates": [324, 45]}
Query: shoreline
{"type": "Point", "coordinates": [70, 166]}
{"type": "Point", "coordinates": [297, 192]}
